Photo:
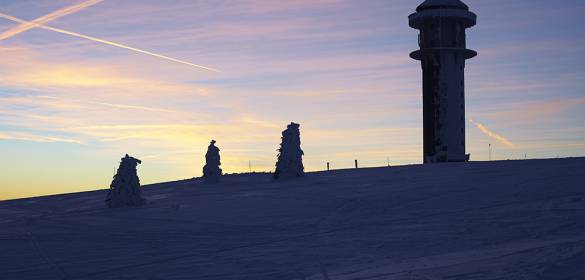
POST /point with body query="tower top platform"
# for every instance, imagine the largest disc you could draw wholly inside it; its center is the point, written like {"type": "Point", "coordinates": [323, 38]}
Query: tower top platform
{"type": "Point", "coordinates": [442, 9]}
{"type": "Point", "coordinates": [440, 4]}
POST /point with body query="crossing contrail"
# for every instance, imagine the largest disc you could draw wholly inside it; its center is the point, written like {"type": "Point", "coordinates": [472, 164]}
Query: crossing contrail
{"type": "Point", "coordinates": [492, 134]}
{"type": "Point", "coordinates": [23, 27]}
{"type": "Point", "coordinates": [74, 34]}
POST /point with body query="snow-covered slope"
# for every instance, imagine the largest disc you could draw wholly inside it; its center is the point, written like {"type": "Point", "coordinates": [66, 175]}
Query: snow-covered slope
{"type": "Point", "coordinates": [496, 220]}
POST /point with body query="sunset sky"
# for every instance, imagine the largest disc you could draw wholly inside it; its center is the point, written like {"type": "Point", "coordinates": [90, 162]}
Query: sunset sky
{"type": "Point", "coordinates": [71, 107]}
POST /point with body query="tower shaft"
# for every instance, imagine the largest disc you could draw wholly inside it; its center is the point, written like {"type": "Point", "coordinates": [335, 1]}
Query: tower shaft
{"type": "Point", "coordinates": [443, 107]}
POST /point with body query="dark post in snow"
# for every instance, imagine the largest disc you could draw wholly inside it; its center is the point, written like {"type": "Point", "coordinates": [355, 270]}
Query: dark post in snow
{"type": "Point", "coordinates": [125, 188]}
{"type": "Point", "coordinates": [211, 171]}
{"type": "Point", "coordinates": [442, 54]}
{"type": "Point", "coordinates": [290, 155]}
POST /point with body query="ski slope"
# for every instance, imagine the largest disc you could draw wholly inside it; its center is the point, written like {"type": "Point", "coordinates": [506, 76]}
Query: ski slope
{"type": "Point", "coordinates": [482, 220]}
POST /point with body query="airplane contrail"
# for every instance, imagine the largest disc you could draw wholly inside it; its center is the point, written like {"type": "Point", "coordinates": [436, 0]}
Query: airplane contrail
{"type": "Point", "coordinates": [23, 27]}
{"type": "Point", "coordinates": [492, 134]}
{"type": "Point", "coordinates": [74, 34]}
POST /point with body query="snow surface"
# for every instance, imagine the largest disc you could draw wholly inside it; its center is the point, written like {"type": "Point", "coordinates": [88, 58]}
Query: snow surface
{"type": "Point", "coordinates": [497, 220]}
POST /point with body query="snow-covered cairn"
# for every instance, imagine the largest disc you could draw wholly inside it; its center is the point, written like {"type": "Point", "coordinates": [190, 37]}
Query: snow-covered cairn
{"type": "Point", "coordinates": [211, 170]}
{"type": "Point", "coordinates": [125, 188]}
{"type": "Point", "coordinates": [290, 155]}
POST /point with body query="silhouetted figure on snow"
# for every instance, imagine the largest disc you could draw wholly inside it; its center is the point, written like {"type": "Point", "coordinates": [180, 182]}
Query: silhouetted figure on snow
{"type": "Point", "coordinates": [211, 170]}
{"type": "Point", "coordinates": [125, 188]}
{"type": "Point", "coordinates": [290, 155]}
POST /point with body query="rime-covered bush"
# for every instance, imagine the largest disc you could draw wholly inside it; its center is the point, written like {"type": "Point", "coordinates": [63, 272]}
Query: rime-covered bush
{"type": "Point", "coordinates": [290, 155]}
{"type": "Point", "coordinates": [125, 188]}
{"type": "Point", "coordinates": [211, 171]}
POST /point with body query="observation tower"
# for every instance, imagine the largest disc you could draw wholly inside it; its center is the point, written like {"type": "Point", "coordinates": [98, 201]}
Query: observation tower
{"type": "Point", "coordinates": [442, 54]}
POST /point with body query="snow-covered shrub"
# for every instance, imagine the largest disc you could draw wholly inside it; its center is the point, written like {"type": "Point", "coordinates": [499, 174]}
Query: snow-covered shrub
{"type": "Point", "coordinates": [211, 171]}
{"type": "Point", "coordinates": [290, 155]}
{"type": "Point", "coordinates": [125, 188]}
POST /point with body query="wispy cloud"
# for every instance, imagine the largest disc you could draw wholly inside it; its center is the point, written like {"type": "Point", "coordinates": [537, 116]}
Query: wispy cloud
{"type": "Point", "coordinates": [107, 104]}
{"type": "Point", "coordinates": [492, 134]}
{"type": "Point", "coordinates": [533, 113]}
{"type": "Point", "coordinates": [558, 145]}
{"type": "Point", "coordinates": [25, 69]}
{"type": "Point", "coordinates": [19, 136]}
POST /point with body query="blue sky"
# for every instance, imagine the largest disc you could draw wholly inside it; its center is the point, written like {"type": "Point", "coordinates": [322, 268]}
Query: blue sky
{"type": "Point", "coordinates": [70, 107]}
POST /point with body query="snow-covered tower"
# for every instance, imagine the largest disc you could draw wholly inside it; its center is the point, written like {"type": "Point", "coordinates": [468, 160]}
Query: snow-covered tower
{"type": "Point", "coordinates": [442, 54]}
